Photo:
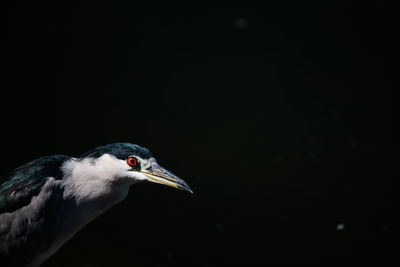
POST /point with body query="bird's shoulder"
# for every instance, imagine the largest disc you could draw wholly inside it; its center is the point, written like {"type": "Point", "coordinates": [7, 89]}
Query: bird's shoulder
{"type": "Point", "coordinates": [19, 186]}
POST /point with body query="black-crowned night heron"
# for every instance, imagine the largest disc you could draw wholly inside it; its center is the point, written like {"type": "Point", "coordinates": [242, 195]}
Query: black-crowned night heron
{"type": "Point", "coordinates": [43, 203]}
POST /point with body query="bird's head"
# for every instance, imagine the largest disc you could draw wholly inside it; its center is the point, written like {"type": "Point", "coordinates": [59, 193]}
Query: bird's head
{"type": "Point", "coordinates": [126, 164]}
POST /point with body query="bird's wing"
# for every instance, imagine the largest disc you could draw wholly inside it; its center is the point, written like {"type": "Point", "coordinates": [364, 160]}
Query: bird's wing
{"type": "Point", "coordinates": [19, 186]}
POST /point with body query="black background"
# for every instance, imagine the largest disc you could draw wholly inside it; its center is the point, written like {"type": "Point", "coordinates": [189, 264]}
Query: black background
{"type": "Point", "coordinates": [280, 117]}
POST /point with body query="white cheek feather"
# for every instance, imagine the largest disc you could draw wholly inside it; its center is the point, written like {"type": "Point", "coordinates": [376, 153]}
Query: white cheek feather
{"type": "Point", "coordinates": [92, 178]}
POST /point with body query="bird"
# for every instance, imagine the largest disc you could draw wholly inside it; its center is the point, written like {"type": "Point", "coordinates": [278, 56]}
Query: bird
{"type": "Point", "coordinates": [45, 202]}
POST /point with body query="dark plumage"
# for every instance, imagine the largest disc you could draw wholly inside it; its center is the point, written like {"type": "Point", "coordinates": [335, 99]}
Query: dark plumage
{"type": "Point", "coordinates": [119, 150]}
{"type": "Point", "coordinates": [19, 186]}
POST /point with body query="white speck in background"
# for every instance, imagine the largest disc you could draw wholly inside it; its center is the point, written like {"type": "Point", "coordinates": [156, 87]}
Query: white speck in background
{"type": "Point", "coordinates": [340, 227]}
{"type": "Point", "coordinates": [241, 23]}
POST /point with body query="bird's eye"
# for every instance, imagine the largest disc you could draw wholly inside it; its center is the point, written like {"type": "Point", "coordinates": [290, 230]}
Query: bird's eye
{"type": "Point", "coordinates": [132, 161]}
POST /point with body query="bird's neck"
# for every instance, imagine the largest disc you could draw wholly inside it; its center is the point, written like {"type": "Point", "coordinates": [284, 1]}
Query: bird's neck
{"type": "Point", "coordinates": [86, 195]}
{"type": "Point", "coordinates": [73, 215]}
{"type": "Point", "coordinates": [81, 212]}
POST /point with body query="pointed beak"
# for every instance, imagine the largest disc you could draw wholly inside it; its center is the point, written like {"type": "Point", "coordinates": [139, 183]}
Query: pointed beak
{"type": "Point", "coordinates": [159, 175]}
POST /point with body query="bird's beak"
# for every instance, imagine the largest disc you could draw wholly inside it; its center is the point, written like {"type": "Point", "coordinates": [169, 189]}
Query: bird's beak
{"type": "Point", "coordinates": [159, 175]}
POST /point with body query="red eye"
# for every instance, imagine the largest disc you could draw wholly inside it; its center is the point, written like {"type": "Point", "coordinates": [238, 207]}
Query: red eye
{"type": "Point", "coordinates": [132, 161]}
